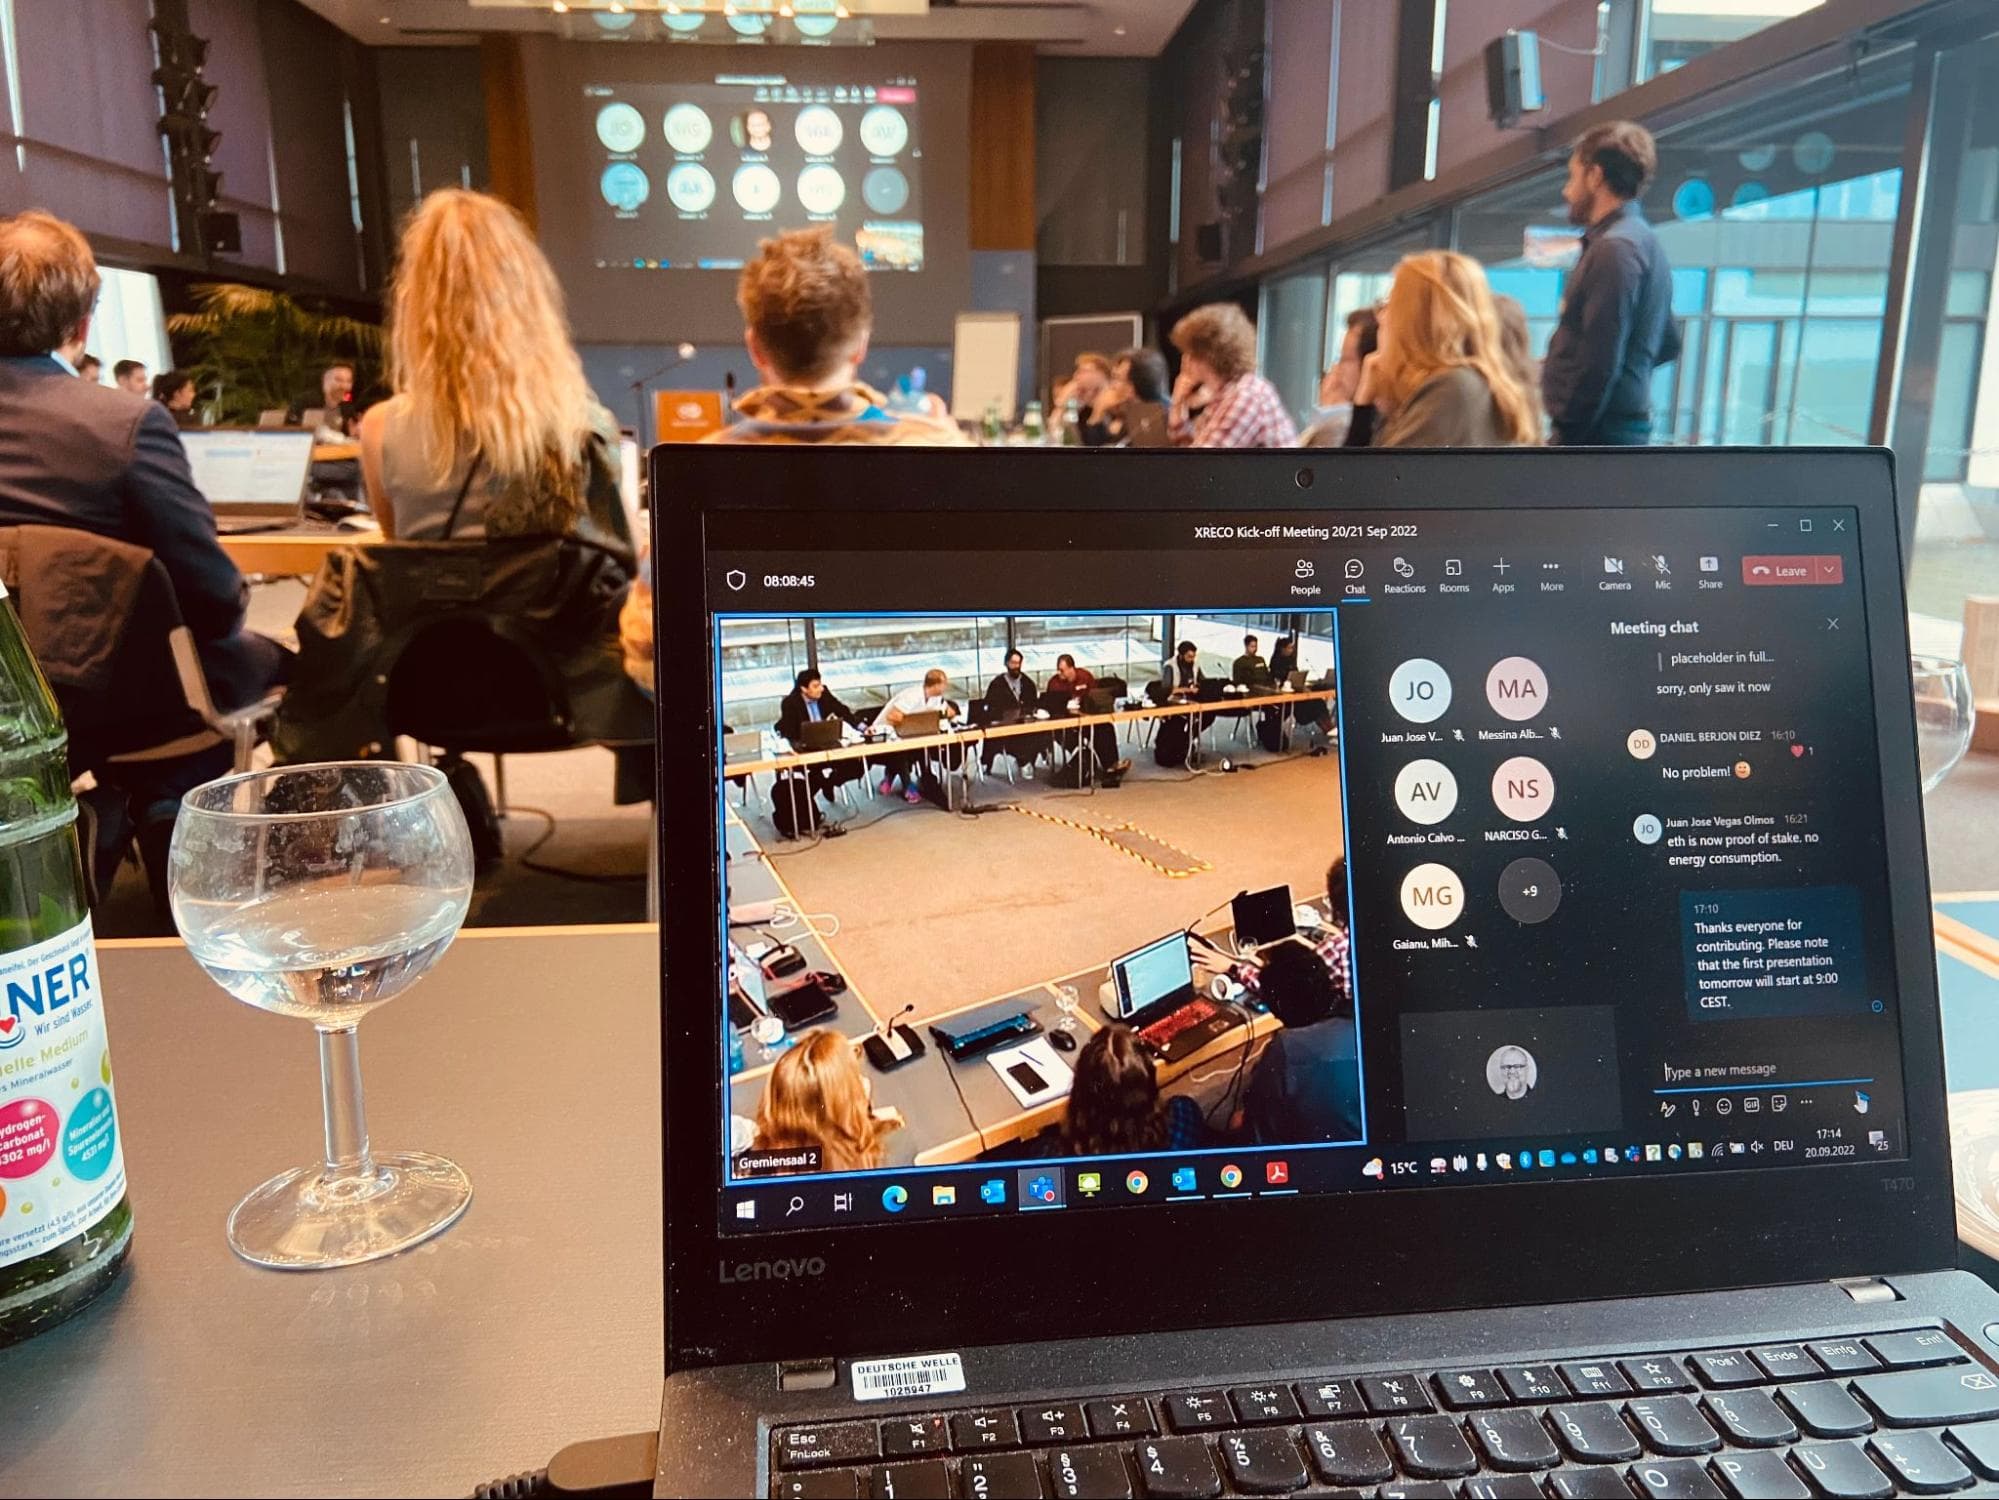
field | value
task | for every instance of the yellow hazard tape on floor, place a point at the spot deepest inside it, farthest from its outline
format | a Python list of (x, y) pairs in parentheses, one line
[(1115, 837)]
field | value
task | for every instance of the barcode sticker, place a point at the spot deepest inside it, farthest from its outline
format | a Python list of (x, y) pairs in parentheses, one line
[(915, 1375)]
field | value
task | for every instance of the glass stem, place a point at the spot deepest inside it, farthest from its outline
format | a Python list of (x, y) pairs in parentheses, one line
[(340, 1093)]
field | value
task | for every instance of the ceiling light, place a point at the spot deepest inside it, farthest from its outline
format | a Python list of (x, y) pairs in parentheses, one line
[(1117, 31)]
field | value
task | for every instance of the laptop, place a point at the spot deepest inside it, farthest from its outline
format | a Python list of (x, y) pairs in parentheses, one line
[(253, 477), (1263, 917), (1628, 1205), (820, 734), (1152, 991)]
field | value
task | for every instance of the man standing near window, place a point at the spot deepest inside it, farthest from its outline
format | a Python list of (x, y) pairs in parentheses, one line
[(1617, 310)]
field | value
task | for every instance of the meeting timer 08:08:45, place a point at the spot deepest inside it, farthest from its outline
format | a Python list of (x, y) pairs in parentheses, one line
[(789, 580)]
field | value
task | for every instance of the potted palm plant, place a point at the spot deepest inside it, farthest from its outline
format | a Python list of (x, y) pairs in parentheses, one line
[(257, 350)]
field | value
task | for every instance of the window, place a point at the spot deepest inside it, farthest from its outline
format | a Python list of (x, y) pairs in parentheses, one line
[(1678, 31), (1291, 328)]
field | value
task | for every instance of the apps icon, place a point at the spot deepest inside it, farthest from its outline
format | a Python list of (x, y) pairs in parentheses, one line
[(1374, 1169), (993, 1190), (1041, 1187), (1089, 1184), (1136, 1183), (895, 1198), (1184, 1180), (943, 1195), (1547, 1158), (1232, 1175), (1277, 1173)]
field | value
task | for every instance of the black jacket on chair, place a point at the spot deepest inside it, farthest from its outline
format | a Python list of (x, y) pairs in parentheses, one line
[(792, 716), (106, 461)]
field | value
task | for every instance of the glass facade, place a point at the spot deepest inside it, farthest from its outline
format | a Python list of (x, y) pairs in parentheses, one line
[(1678, 31)]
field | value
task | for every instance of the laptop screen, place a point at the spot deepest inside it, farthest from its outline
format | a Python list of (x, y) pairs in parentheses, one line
[(1153, 973), (262, 466), (1585, 806)]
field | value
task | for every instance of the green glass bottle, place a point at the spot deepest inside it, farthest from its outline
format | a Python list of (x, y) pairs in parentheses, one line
[(65, 1222)]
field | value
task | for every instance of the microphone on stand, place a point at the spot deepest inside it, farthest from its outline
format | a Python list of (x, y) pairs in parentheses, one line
[(681, 355), (892, 1044)]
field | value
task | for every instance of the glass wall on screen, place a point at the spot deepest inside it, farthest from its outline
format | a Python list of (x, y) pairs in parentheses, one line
[(130, 322), (1678, 31)]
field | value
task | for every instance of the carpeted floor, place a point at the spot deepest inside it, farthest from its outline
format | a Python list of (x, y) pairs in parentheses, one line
[(943, 912)]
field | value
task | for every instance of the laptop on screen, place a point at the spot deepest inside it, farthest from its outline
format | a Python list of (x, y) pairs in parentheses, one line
[(250, 473), (1598, 1147)]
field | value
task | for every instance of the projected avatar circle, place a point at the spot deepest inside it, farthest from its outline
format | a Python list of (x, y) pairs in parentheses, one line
[(756, 188), (749, 25), (821, 189), (819, 130), (884, 131), (1511, 1072), (625, 187), (815, 18), (688, 129), (691, 187), (621, 128), (885, 190)]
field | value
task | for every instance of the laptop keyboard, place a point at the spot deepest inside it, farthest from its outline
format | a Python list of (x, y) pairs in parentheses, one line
[(1880, 1414)]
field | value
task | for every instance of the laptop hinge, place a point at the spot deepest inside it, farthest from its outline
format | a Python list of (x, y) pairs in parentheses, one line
[(807, 1374), (1867, 1289)]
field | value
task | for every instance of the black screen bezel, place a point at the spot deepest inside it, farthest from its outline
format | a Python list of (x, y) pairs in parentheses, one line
[(890, 1288)]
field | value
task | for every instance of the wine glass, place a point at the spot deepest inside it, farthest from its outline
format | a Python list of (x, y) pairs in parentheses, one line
[(320, 891), (1944, 714)]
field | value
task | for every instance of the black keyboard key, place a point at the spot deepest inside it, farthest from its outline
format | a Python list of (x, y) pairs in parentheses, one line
[(1841, 1470), (1594, 1433), (1594, 1483), (1417, 1489), (991, 1428), (1263, 1463), (1514, 1440), (1197, 1411), (1656, 1372), (1431, 1448), (1759, 1476), (827, 1484), (1533, 1383), (1177, 1468), (1824, 1409), (1980, 1442), (1719, 1368), (1919, 1462), (1672, 1426), (834, 1443), (1347, 1453), (903, 1437), (1060, 1423), (999, 1476), (1461, 1390), (1674, 1479), (1844, 1356), (1785, 1361), (1388, 1395), (1264, 1403), (1502, 1487), (1930, 1398), (1126, 1416), (1330, 1398), (1751, 1419), (1096, 1473), (1595, 1377), (926, 1479), (1907, 1351)]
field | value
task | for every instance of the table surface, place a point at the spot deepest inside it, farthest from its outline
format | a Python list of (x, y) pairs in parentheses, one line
[(533, 1322), (299, 551)]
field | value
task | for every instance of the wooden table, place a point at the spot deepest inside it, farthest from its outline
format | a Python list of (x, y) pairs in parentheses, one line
[(335, 453), (291, 553)]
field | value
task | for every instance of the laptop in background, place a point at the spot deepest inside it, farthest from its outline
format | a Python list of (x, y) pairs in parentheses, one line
[(1650, 1188), (253, 477)]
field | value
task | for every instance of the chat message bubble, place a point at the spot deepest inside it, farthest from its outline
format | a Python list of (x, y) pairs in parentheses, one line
[(1755, 955)]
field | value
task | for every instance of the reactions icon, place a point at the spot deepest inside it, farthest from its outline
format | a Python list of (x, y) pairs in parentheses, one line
[(1426, 791), (1420, 690), (1641, 744), (1523, 789), (1647, 829), (1432, 896), (1516, 688)]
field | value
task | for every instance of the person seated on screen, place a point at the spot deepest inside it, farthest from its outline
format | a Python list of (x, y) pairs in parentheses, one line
[(1306, 1084), (1313, 715), (1334, 945), (818, 1096), (810, 701), (807, 316), (175, 391), (1012, 692), (1184, 676), (1114, 1103), (1069, 687), (90, 368), (492, 431), (1250, 669), (912, 768), (1138, 401)]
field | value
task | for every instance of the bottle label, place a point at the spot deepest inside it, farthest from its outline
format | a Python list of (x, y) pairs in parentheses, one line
[(62, 1167)]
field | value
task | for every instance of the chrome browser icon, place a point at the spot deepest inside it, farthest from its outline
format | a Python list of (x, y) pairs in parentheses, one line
[(1137, 1182)]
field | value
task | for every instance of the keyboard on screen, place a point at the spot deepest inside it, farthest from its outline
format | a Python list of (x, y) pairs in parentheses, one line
[(1875, 1415), (1161, 1035)]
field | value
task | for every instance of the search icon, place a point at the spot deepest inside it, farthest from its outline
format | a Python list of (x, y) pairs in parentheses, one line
[(797, 1203)]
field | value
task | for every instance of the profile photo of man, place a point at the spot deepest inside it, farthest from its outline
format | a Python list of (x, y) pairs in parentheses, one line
[(1511, 1072), (751, 130)]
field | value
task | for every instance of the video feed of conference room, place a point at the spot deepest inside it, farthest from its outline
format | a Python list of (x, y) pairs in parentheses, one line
[(1049, 834)]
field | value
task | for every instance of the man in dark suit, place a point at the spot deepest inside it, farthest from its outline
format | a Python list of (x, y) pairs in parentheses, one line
[(810, 701), (102, 460)]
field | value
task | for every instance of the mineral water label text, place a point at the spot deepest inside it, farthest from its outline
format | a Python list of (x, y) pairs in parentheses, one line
[(61, 1166)]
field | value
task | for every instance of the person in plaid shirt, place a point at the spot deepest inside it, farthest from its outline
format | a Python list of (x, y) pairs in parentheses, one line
[(1219, 400), (1335, 948)]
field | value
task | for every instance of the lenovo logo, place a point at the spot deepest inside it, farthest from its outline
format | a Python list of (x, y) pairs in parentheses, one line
[(772, 1270)]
